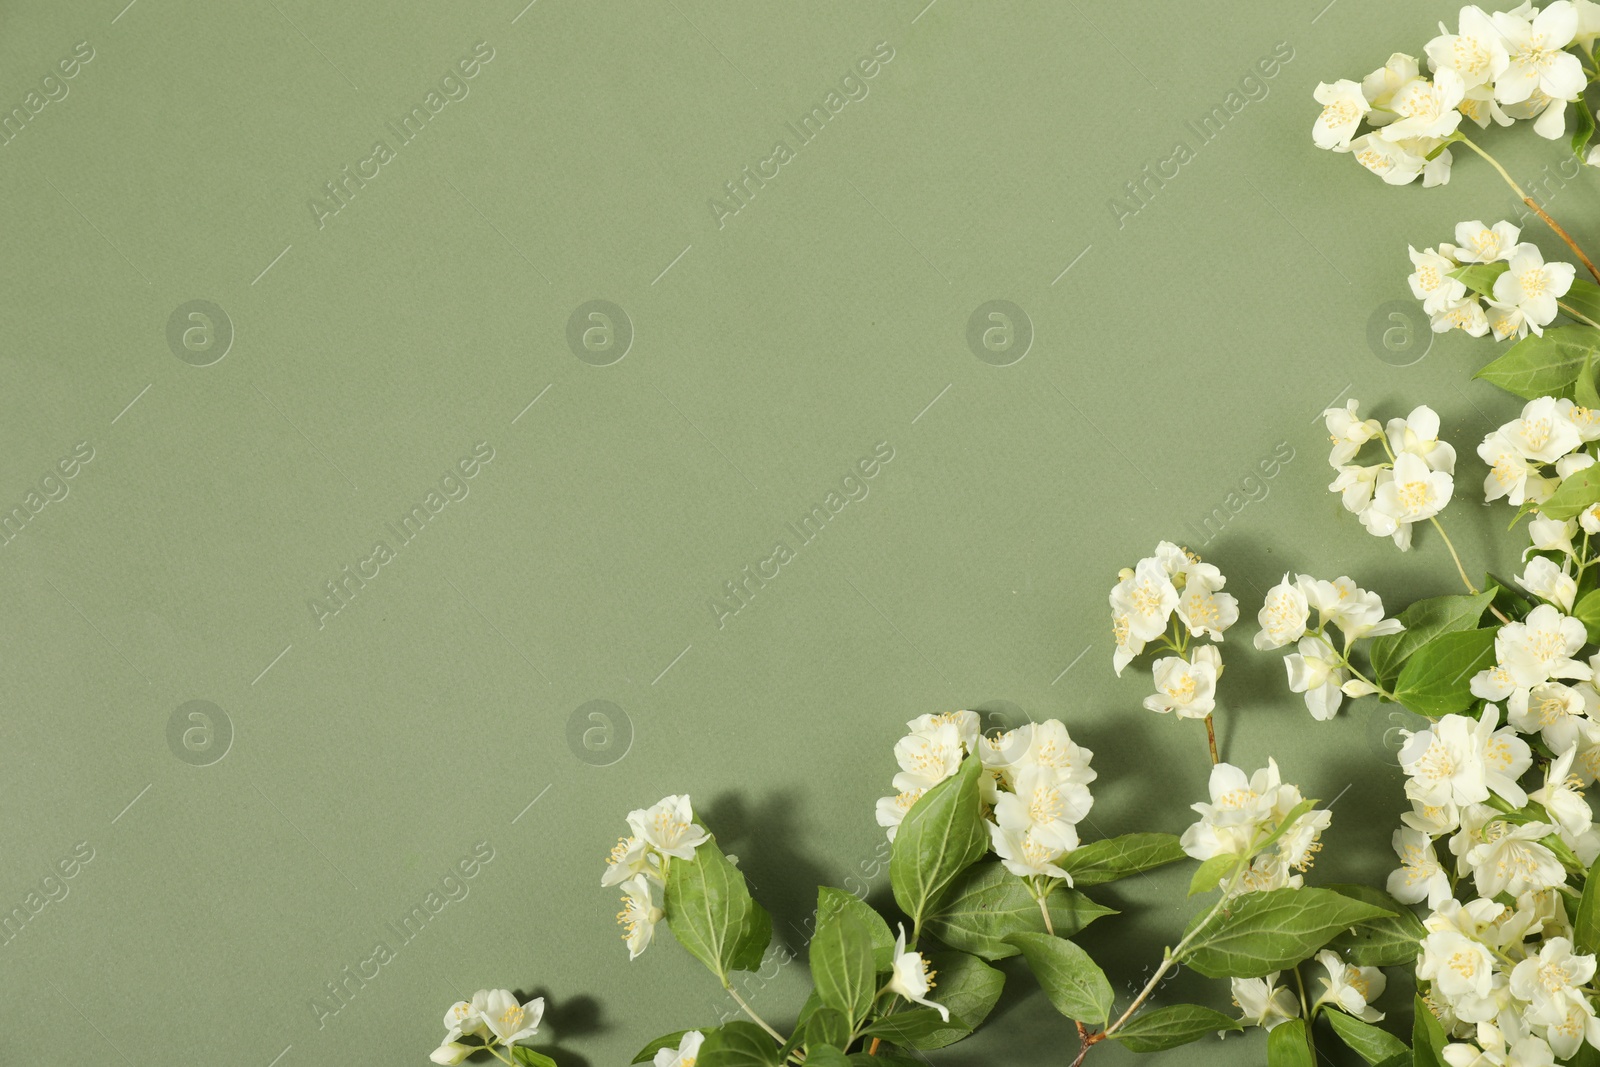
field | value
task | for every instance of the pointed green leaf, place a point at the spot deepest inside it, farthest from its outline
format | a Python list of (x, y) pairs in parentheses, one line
[(1163, 1028), (738, 1044), (710, 911), (1118, 857), (1581, 134), (907, 1027), (831, 900), (1209, 875), (968, 988), (648, 1053), (1074, 983), (943, 834), (825, 1026), (1259, 933), (842, 966), (1427, 1036), (1286, 1045), (1391, 941), (529, 1058), (1423, 621), (1543, 366), (1587, 611), (1437, 679), (988, 904), (1573, 496), (1586, 925), (1480, 277), (1367, 1041)]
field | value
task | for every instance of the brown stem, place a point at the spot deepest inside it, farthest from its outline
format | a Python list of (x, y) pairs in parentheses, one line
[(1211, 736), (873, 1051), (1556, 226)]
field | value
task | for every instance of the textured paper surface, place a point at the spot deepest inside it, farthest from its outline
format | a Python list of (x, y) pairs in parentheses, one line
[(1161, 355)]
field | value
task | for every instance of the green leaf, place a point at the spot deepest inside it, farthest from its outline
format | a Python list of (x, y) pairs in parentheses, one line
[(1437, 679), (1209, 875), (882, 1059), (826, 1056), (1423, 621), (1427, 1036), (1365, 1040), (1584, 297), (1163, 1028), (1480, 277), (1575, 493), (1587, 611), (968, 988), (1074, 983), (1586, 924), (1401, 1060), (908, 1027), (648, 1053), (1286, 1045), (826, 1026), (831, 901), (1584, 130), (1117, 857), (711, 913), (1391, 941), (842, 967), (1259, 933), (529, 1058), (738, 1044), (943, 834), (1543, 366), (987, 904), (1583, 390)]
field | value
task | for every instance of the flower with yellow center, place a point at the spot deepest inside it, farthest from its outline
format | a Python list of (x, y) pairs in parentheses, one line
[(1351, 988), (1533, 286)]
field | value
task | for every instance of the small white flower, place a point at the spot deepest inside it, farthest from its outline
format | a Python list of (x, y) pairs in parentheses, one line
[(1416, 492), (629, 857), (1552, 982), (1531, 285), (1381, 85), (1356, 612), (1562, 796), (1419, 876), (1431, 282), (926, 759), (892, 811), (1263, 1002), (1547, 581), (1543, 433), (1032, 850), (638, 916), (1551, 535), (1587, 420), (1343, 108), (1477, 243), (1418, 434), (1537, 62), (1466, 315), (1041, 798), (465, 1018), (1205, 611), (1355, 484), (1284, 614), (669, 828), (1444, 764), (1541, 647), (1351, 988), (1477, 54), (1391, 161), (1460, 967), (1510, 474), (1590, 519), (1190, 689), (911, 978), (1550, 709), (510, 1021), (1510, 859), (452, 1052), (1426, 109), (1316, 671), (685, 1054), (1506, 321)]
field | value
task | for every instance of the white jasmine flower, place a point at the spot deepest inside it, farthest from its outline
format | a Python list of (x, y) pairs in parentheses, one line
[(1190, 689), (966, 725), (669, 827), (1504, 756), (1466, 315), (1494, 1049), (1536, 60), (1545, 580), (1141, 604), (1355, 485), (1445, 763), (1552, 982), (1510, 859), (1431, 282), (1541, 647), (1263, 1002), (1031, 850), (1590, 519), (1418, 434), (638, 916), (927, 759), (509, 1021), (1391, 161), (1579, 1026), (1531, 285), (1477, 54), (1051, 747), (1317, 671), (892, 811), (1587, 420), (1356, 612), (911, 978), (1343, 107), (1569, 465), (1477, 243), (1562, 796), (1351, 988), (1542, 433), (1506, 322), (1041, 798), (1426, 109), (1419, 876), (629, 857), (1381, 85), (1432, 820), (685, 1054), (1550, 709), (1510, 474), (465, 1018), (1460, 967), (1206, 611), (1284, 614), (1551, 535), (1414, 494)]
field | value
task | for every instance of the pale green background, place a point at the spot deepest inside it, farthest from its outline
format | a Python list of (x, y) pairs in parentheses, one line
[(820, 321)]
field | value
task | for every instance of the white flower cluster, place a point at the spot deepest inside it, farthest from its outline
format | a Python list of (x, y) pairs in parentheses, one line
[(1318, 667), (1550, 432), (1548, 692), (639, 862), (1525, 294), (1265, 1003), (494, 1017), (1413, 486), (1174, 582), (1503, 67), (1244, 813), (1035, 785)]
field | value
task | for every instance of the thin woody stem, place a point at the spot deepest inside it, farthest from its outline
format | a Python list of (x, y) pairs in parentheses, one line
[(1211, 737), (1526, 199), (1453, 555), (759, 1021)]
